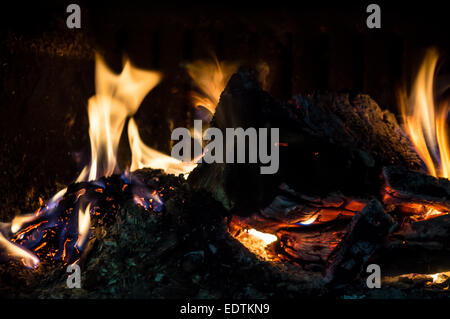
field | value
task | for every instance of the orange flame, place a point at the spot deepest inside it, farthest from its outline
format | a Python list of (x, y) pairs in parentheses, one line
[(428, 132), (211, 78), (117, 97)]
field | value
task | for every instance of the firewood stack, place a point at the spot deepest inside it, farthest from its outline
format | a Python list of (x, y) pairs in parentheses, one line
[(349, 187)]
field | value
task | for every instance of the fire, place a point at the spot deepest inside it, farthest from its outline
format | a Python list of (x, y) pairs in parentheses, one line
[(144, 156), (266, 238), (14, 251), (310, 220), (117, 97), (211, 78), (427, 124), (440, 278), (84, 222), (18, 221), (256, 242)]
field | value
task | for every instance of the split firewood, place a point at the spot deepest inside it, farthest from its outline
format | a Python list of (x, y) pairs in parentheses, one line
[(415, 193), (328, 143), (312, 244), (291, 210), (367, 231), (417, 247)]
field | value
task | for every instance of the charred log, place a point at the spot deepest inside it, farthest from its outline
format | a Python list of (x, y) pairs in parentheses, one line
[(313, 244), (418, 247), (415, 193), (328, 142)]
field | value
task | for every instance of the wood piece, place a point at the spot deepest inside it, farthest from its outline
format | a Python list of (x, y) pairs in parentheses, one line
[(328, 142), (294, 210), (367, 231), (312, 243), (414, 192), (417, 247)]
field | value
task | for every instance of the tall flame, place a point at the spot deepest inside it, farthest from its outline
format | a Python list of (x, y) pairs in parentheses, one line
[(428, 131), (211, 78), (118, 96)]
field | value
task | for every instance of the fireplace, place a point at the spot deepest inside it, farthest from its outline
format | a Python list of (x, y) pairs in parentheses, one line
[(358, 119)]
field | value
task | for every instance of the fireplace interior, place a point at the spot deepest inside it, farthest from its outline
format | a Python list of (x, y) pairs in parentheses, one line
[(86, 175)]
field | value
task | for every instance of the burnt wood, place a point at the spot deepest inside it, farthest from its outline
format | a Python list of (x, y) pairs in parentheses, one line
[(413, 192), (329, 142), (417, 247)]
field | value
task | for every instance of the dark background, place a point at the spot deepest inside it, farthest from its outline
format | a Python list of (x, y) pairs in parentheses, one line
[(47, 71)]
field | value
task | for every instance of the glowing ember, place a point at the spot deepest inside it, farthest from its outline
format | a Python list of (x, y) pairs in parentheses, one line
[(428, 131), (256, 242), (436, 279)]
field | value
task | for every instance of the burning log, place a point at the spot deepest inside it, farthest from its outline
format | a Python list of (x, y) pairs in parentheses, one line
[(313, 244), (292, 210), (328, 143), (415, 193)]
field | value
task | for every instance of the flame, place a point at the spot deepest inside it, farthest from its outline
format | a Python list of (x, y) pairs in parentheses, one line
[(18, 221), (117, 97), (16, 252), (144, 156), (256, 242), (84, 223), (428, 131), (264, 237), (440, 277), (310, 220), (210, 77)]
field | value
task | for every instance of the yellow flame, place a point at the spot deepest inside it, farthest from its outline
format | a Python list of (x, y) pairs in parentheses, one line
[(428, 132), (117, 97), (211, 77), (19, 253), (144, 156), (84, 223), (439, 278), (264, 237)]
